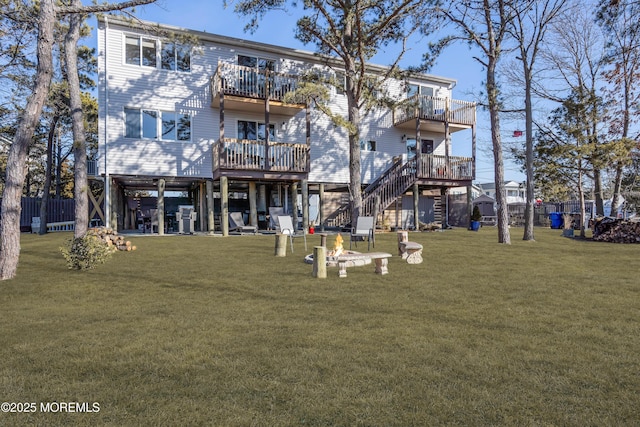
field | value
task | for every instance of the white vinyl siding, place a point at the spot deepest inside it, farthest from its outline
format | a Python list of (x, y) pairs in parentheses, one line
[(176, 99)]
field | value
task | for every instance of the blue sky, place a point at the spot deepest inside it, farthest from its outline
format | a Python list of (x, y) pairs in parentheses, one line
[(278, 29)]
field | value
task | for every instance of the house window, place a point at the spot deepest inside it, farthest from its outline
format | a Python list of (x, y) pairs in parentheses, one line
[(132, 123), (140, 51), (175, 127), (149, 124), (427, 146), (153, 124), (175, 57), (255, 131), (425, 96), (252, 75), (260, 64), (341, 83), (143, 51), (367, 145), (132, 50)]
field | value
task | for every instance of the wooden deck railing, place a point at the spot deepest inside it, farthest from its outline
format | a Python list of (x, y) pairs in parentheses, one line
[(436, 109), (399, 177), (249, 82), (242, 154), (446, 168)]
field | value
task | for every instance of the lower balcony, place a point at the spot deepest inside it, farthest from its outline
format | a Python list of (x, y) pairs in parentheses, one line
[(240, 158), (443, 168)]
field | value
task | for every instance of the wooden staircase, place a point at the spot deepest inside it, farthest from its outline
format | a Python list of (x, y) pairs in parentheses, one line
[(390, 185)]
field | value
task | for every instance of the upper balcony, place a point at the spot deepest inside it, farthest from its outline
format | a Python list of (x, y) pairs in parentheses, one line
[(434, 113), (248, 88)]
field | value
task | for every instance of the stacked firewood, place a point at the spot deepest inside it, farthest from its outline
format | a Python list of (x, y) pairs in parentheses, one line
[(112, 238), (432, 226), (616, 230)]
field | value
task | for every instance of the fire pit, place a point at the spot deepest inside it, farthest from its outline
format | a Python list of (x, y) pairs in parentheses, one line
[(343, 259), (338, 251)]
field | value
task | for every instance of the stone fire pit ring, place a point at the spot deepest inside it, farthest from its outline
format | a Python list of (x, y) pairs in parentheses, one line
[(332, 261)]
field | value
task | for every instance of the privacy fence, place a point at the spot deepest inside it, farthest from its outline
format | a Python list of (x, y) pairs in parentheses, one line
[(58, 210)]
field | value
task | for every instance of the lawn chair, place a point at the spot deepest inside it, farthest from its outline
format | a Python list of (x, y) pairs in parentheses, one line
[(236, 223), (286, 227), (363, 230), (274, 212)]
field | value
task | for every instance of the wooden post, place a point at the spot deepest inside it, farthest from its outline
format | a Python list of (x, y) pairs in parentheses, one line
[(224, 205), (418, 143), (416, 207), (323, 239), (469, 204), (321, 207), (473, 148), (403, 236), (320, 262), (262, 198), (253, 207), (294, 204), (202, 206), (210, 219), (161, 186), (267, 120), (281, 245), (445, 215), (305, 205), (398, 225)]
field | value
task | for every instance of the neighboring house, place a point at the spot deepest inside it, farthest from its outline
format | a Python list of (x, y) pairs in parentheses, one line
[(211, 122), (516, 191)]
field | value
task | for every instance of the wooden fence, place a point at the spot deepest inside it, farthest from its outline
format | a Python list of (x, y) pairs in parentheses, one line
[(58, 210)]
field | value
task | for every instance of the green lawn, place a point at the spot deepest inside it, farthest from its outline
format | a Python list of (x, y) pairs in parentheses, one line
[(195, 330)]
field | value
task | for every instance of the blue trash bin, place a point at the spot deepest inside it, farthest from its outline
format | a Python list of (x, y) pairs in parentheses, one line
[(556, 219)]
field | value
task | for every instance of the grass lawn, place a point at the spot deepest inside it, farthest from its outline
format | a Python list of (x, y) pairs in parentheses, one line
[(195, 330)]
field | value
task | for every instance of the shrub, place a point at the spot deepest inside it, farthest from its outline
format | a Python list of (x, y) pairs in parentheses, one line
[(476, 215), (86, 252)]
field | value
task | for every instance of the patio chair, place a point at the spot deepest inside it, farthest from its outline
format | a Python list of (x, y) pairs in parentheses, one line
[(286, 227), (236, 223), (274, 212), (363, 230)]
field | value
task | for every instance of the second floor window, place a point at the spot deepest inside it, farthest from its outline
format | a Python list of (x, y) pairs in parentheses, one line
[(367, 145), (152, 53), (140, 51), (154, 124), (341, 83), (175, 57), (254, 131)]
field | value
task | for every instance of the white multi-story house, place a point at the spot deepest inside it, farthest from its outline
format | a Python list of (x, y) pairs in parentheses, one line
[(209, 120)]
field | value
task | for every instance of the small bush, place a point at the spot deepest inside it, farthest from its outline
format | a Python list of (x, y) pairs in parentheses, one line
[(476, 215), (86, 252)]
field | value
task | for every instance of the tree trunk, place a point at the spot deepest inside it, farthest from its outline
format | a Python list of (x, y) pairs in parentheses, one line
[(79, 141), (47, 178), (597, 188), (355, 179), (583, 209), (16, 161), (529, 207), (498, 162), (617, 187), (58, 157)]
